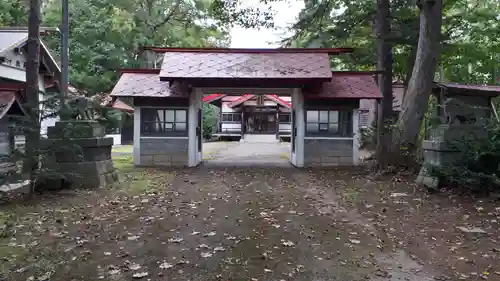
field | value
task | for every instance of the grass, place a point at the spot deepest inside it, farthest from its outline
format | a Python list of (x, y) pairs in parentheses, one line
[(134, 180), (123, 149), (26, 243)]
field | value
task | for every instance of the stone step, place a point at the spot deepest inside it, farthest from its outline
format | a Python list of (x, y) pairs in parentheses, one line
[(260, 138)]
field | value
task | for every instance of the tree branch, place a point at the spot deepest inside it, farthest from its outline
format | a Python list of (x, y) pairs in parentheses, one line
[(171, 13)]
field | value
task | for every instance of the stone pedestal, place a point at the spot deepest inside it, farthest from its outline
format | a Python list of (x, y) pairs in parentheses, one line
[(78, 155), (444, 148)]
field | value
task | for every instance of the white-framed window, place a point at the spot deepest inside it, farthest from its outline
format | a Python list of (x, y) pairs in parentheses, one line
[(329, 122), (164, 121)]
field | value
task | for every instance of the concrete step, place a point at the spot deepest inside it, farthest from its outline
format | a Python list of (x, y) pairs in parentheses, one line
[(258, 138)]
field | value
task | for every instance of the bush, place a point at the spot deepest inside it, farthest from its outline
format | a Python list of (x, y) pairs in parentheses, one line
[(210, 114), (367, 138), (478, 169)]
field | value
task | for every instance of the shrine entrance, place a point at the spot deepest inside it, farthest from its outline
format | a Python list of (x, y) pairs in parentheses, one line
[(322, 111)]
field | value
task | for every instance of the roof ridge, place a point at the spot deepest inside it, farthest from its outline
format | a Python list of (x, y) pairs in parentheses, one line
[(331, 51)]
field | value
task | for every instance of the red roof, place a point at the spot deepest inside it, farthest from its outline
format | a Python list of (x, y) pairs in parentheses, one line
[(247, 97), (279, 101), (240, 100), (118, 104), (347, 85), (12, 86), (213, 97), (224, 65), (139, 84)]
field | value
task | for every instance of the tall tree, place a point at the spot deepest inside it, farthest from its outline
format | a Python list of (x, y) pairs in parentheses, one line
[(13, 13), (384, 63), (32, 132), (107, 35), (420, 85)]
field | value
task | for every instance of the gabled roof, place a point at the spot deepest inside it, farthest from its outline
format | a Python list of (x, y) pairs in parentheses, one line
[(213, 97), (241, 100), (347, 85), (121, 105), (11, 38), (243, 65), (279, 101), (8, 98), (330, 51), (247, 97), (146, 83)]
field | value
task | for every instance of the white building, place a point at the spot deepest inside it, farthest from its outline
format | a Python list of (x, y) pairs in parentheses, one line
[(13, 59)]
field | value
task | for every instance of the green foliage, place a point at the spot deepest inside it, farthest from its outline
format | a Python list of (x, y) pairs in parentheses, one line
[(471, 36), (108, 35), (210, 118), (13, 13), (478, 168), (367, 138)]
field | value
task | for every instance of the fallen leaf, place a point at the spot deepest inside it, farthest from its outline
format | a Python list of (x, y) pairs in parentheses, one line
[(134, 266), (206, 255), (175, 240), (203, 246), (471, 230), (140, 275), (166, 265), (398, 194)]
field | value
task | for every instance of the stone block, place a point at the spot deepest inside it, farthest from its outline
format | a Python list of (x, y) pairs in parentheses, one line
[(76, 129), (330, 164), (178, 160), (164, 146), (162, 158), (146, 159), (346, 161), (79, 154), (162, 164)]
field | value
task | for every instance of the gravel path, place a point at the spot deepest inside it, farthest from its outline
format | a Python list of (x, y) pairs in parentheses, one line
[(208, 224)]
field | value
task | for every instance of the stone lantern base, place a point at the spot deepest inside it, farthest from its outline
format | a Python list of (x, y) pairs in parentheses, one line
[(78, 155)]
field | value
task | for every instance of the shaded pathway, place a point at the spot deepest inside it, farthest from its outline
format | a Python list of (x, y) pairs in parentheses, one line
[(217, 224)]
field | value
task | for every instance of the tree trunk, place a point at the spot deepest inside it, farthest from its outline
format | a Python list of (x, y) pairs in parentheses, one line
[(410, 63), (384, 48), (420, 85), (32, 130)]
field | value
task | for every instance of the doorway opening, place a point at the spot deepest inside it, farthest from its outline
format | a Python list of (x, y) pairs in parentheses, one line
[(252, 129)]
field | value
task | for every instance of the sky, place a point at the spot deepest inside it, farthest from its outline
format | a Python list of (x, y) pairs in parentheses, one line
[(286, 13)]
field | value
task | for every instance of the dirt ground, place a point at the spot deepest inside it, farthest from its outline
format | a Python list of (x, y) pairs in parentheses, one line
[(249, 224)]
